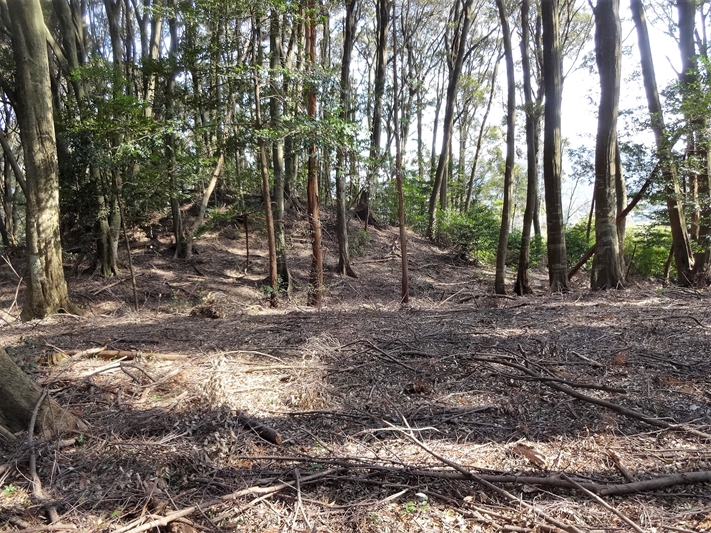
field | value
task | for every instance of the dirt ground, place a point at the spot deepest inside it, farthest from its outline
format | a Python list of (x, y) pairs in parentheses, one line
[(460, 411)]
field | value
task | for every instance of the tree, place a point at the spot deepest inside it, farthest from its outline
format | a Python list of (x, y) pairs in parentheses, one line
[(522, 285), (506, 213), (316, 276), (461, 20), (405, 291), (608, 270), (552, 146), (344, 262), (19, 396), (264, 168), (46, 288), (681, 247)]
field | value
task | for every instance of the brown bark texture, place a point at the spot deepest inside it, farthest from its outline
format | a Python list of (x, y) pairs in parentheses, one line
[(608, 272), (681, 247), (46, 287), (553, 146), (507, 208), (19, 396)]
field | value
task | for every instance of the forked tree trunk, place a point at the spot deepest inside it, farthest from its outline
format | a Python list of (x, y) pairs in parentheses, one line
[(553, 147), (46, 288), (681, 247), (506, 214), (608, 271)]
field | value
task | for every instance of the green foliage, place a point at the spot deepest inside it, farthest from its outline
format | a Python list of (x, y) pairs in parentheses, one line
[(577, 242), (474, 235), (647, 247), (358, 243), (537, 249)]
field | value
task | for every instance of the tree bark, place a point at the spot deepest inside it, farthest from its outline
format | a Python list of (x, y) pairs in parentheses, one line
[(46, 288), (19, 396), (275, 63), (681, 247), (506, 214), (381, 44), (344, 262), (552, 147), (264, 170), (523, 285), (462, 21), (608, 271), (315, 293), (405, 291)]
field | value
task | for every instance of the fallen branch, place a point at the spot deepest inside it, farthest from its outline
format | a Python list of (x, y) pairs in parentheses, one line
[(167, 519), (604, 504), (630, 413), (459, 468), (602, 489), (260, 429)]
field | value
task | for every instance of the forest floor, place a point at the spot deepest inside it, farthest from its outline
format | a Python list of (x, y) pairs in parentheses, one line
[(460, 411)]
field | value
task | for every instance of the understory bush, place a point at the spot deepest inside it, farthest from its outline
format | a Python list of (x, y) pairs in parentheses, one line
[(474, 234), (647, 248)]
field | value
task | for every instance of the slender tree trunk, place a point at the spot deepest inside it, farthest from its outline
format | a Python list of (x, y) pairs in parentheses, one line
[(344, 262), (506, 214), (480, 138), (552, 147), (316, 276), (681, 246), (264, 168), (405, 291), (46, 288), (522, 285), (608, 271), (463, 21), (170, 144), (275, 63), (381, 44), (621, 197)]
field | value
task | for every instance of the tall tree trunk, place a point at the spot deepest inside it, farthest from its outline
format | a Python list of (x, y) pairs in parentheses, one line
[(506, 214), (552, 147), (344, 261), (462, 20), (315, 293), (405, 291), (698, 137), (681, 247), (608, 272), (381, 44), (46, 288), (170, 138), (522, 285), (264, 169), (275, 63)]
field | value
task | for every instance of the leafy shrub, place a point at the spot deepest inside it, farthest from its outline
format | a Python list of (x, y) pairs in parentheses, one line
[(475, 235), (648, 248), (536, 252), (577, 243)]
